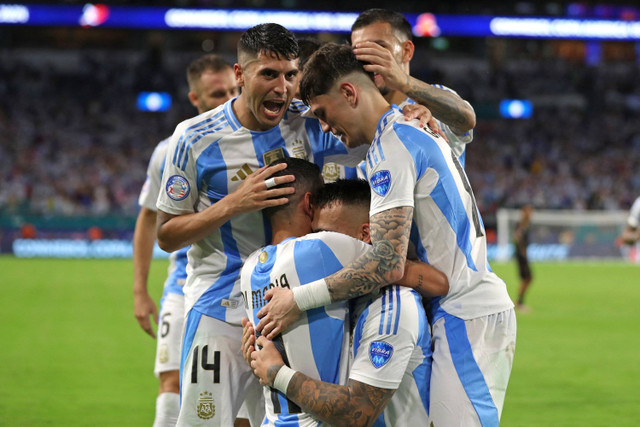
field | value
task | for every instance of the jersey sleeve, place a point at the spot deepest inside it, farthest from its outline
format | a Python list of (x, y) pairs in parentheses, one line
[(178, 192), (392, 176), (151, 188), (456, 142), (382, 349)]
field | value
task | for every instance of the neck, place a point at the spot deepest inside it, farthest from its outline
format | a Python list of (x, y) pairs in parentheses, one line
[(395, 97), (283, 228), (376, 107)]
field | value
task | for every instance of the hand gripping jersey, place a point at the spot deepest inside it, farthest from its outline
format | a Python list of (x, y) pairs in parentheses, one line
[(392, 350), (317, 344), (409, 166), (207, 158), (148, 196)]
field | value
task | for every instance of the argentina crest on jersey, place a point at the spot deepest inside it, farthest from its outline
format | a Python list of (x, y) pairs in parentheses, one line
[(381, 182), (380, 353), (177, 187)]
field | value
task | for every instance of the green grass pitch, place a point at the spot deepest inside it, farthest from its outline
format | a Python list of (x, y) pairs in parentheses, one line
[(73, 354)]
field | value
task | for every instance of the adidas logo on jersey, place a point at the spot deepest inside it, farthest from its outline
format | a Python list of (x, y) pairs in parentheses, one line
[(242, 173)]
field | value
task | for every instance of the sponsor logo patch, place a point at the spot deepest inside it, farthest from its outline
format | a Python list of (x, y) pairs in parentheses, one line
[(177, 187), (380, 353), (381, 182)]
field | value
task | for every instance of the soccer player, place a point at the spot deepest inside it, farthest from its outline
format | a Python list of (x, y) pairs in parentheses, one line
[(393, 360), (631, 233), (383, 38), (521, 240), (215, 183), (211, 83), (420, 194)]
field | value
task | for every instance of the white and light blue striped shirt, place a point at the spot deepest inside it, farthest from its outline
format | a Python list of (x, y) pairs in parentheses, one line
[(317, 344), (177, 274), (409, 166), (208, 157)]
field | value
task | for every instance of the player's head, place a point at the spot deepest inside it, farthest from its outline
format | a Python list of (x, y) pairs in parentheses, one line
[(308, 181), (211, 82), (527, 210), (267, 72), (338, 90), (343, 207), (307, 48), (390, 30)]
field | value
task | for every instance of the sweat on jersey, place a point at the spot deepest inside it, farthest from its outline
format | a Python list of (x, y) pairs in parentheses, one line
[(177, 273), (410, 166), (317, 344), (208, 157)]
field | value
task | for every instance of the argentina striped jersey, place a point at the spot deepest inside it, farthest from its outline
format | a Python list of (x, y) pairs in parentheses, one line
[(317, 344), (409, 166), (148, 195), (208, 157)]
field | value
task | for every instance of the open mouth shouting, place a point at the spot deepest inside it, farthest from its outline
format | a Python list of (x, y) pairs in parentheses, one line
[(273, 108)]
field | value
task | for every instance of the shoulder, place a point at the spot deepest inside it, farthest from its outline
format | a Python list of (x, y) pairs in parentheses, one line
[(216, 122)]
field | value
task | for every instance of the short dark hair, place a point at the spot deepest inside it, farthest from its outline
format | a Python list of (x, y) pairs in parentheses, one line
[(268, 38), (211, 62), (345, 191), (307, 48), (397, 21), (308, 179), (330, 62)]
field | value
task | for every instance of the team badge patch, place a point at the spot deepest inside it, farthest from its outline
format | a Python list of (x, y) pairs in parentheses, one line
[(206, 409), (178, 187), (381, 182), (380, 353)]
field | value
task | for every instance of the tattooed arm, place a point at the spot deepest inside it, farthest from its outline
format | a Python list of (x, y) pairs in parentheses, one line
[(378, 267), (356, 404), (445, 106), (424, 279)]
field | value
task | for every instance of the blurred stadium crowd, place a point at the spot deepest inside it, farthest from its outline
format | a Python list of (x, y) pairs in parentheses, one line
[(73, 143)]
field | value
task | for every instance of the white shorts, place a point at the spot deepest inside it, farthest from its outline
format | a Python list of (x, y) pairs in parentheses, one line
[(215, 378), (472, 362), (169, 334)]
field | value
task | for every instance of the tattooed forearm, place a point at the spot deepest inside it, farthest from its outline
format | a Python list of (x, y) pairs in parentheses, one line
[(357, 404), (272, 372), (383, 264), (445, 106)]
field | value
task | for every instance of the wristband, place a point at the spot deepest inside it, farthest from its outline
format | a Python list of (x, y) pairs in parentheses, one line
[(281, 381), (312, 295)]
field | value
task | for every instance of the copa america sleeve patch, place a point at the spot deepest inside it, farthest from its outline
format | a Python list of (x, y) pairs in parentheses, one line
[(380, 353), (381, 182), (177, 187)]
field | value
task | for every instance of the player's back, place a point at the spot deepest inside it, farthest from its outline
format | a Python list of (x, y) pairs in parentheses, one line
[(410, 166), (392, 350), (317, 344)]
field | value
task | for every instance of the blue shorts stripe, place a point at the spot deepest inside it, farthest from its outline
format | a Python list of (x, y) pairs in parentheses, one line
[(190, 328), (469, 372)]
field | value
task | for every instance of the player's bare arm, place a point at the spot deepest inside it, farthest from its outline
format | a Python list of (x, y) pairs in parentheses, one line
[(424, 279), (177, 231), (356, 404), (383, 264), (144, 238), (446, 106), (378, 267)]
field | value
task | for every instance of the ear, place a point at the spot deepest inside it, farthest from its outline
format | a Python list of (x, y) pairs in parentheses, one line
[(365, 233), (239, 74), (349, 92), (193, 98), (408, 49), (306, 205)]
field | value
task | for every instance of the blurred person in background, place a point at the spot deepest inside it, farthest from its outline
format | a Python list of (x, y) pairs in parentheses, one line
[(631, 233), (211, 83), (383, 38), (521, 243)]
